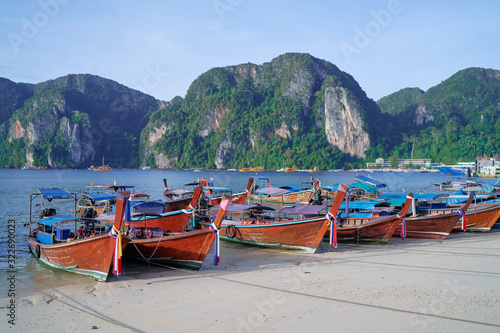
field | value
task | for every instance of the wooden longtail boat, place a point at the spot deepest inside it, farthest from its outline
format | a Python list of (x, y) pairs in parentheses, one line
[(57, 242), (437, 226), (178, 198), (373, 230), (237, 198), (187, 249), (304, 234), (479, 218), (284, 195)]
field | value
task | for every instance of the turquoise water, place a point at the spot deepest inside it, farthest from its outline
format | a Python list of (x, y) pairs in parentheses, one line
[(17, 185)]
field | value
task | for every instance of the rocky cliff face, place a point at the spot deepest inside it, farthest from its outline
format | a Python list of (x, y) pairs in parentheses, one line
[(343, 122)]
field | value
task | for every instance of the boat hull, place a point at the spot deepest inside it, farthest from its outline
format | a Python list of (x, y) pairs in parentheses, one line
[(186, 250), (429, 227), (480, 218), (91, 256), (303, 235), (177, 204), (374, 230)]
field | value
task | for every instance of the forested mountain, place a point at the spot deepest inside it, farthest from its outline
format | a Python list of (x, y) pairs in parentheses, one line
[(295, 110), (458, 119), (72, 121)]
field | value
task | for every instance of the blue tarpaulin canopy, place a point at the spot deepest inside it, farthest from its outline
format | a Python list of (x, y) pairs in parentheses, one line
[(54, 193), (292, 188), (100, 196), (333, 188), (418, 196), (371, 181), (219, 189), (151, 207), (364, 186), (365, 205), (50, 221)]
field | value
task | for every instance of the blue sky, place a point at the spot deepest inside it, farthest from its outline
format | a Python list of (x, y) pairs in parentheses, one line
[(160, 47)]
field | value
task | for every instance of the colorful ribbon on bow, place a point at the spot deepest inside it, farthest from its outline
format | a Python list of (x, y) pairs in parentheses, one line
[(403, 226), (333, 229), (215, 230), (464, 221), (190, 207), (117, 257)]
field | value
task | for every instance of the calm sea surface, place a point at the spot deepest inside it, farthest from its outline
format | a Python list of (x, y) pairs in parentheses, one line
[(17, 185)]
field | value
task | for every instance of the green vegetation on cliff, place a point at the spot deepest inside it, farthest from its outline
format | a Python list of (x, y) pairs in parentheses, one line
[(456, 120)]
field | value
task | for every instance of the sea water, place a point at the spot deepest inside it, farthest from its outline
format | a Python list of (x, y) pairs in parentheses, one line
[(18, 185)]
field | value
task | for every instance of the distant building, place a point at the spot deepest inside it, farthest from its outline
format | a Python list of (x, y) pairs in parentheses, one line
[(491, 170), (384, 163)]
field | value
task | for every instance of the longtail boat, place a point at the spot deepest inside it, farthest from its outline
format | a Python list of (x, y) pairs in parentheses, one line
[(283, 195), (187, 249), (372, 229), (216, 194), (74, 244), (303, 234), (437, 226), (178, 198), (479, 217)]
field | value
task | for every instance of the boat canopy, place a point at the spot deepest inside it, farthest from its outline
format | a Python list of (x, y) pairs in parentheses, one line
[(333, 188), (292, 188), (302, 209), (371, 181), (100, 196), (366, 187), (377, 206), (54, 193), (50, 221), (219, 189), (417, 196), (272, 191), (148, 207), (239, 208)]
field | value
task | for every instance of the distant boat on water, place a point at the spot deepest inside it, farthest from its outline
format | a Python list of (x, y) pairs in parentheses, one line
[(103, 167)]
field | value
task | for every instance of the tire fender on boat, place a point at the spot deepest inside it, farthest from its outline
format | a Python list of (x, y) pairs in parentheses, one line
[(231, 231), (37, 251)]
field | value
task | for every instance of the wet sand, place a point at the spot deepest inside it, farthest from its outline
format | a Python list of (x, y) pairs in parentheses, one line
[(404, 286)]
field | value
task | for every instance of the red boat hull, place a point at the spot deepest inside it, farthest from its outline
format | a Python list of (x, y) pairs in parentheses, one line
[(373, 230), (187, 249), (304, 235), (91, 256), (429, 227)]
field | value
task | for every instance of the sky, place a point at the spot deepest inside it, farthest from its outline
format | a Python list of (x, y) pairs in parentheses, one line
[(161, 46)]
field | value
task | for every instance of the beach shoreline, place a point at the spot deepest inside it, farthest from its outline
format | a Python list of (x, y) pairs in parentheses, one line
[(411, 285)]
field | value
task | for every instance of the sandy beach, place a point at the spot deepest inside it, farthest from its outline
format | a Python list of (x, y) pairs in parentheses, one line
[(403, 286)]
